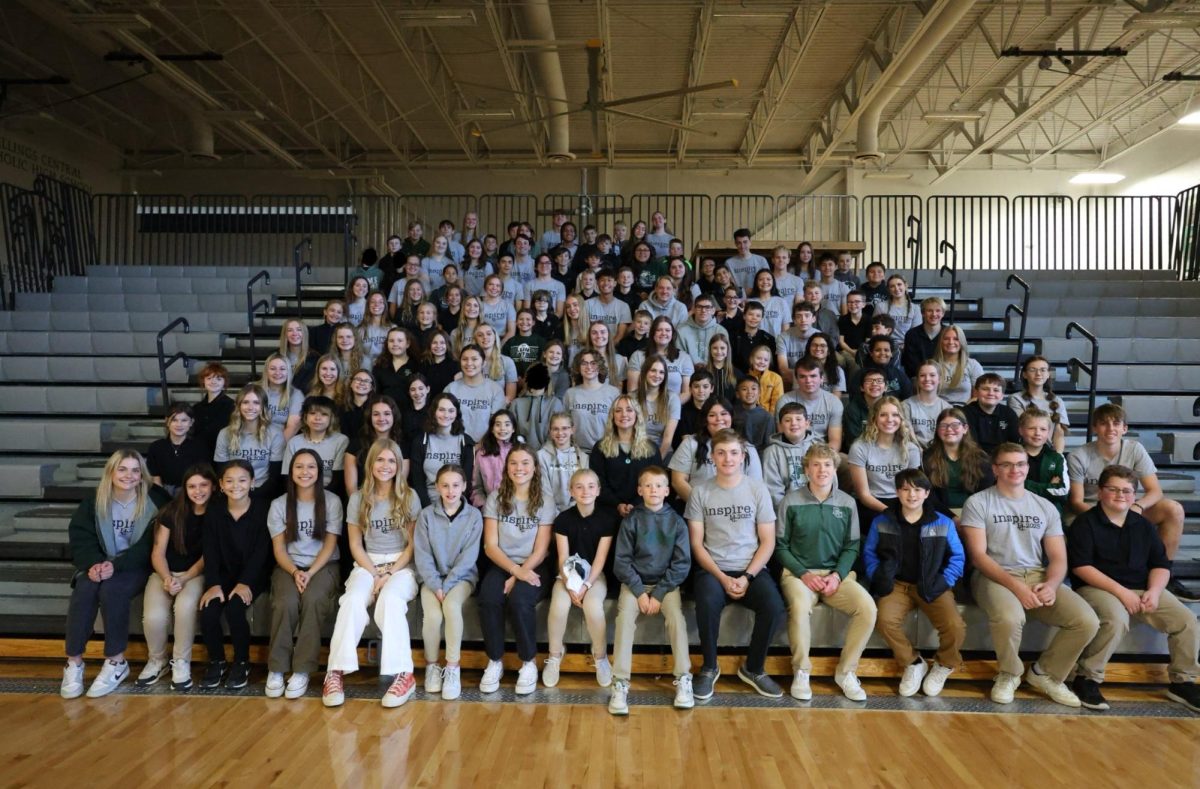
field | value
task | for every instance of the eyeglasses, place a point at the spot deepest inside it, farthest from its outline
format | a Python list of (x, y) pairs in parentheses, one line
[(955, 425), (1124, 493), (1008, 466)]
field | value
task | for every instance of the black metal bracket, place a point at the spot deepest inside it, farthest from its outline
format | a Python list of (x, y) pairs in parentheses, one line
[(945, 246), (1075, 363), (1023, 311), (914, 243), (179, 356), (252, 307), (305, 243)]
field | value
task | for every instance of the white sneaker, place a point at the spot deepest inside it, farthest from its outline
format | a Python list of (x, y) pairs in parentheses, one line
[(527, 678), (910, 683), (111, 675), (154, 670), (274, 684), (181, 675), (491, 677), (1004, 686), (297, 686), (618, 702), (433, 678), (72, 684), (801, 688), (1058, 692), (935, 680), (850, 686), (551, 670), (684, 700), (604, 672), (451, 683)]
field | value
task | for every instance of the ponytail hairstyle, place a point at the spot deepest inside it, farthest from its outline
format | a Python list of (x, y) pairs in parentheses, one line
[(399, 495), (1047, 388), (292, 525)]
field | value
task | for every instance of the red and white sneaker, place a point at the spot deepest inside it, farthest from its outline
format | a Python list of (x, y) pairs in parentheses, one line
[(333, 694), (401, 690)]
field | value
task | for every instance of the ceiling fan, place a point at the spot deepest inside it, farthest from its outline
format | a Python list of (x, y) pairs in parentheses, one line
[(595, 105)]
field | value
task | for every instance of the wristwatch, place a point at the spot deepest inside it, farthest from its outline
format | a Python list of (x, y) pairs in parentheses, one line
[(750, 575)]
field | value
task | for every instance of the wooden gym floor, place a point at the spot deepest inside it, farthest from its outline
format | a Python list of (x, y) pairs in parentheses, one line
[(565, 737)]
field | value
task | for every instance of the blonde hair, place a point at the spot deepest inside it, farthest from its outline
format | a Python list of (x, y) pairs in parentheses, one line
[(464, 335), (265, 383), (399, 495), (575, 330), (355, 363), (104, 493), (285, 351), (870, 433), (951, 370), (583, 473), (340, 385), (640, 447), (237, 427), (493, 360)]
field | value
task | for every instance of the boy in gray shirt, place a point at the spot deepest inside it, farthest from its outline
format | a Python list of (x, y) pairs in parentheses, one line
[(1015, 541)]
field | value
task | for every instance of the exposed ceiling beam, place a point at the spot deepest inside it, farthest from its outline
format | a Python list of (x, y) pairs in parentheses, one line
[(606, 88), (798, 34), (704, 20), (432, 72), (519, 79)]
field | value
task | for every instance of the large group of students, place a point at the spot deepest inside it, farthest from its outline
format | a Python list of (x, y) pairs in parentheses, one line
[(582, 416)]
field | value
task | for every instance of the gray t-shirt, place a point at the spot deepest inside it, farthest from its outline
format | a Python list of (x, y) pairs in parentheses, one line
[(511, 288), (589, 412), (960, 394), (332, 450), (473, 278), (477, 404), (497, 316), (882, 464), (277, 414), (833, 295), (304, 549), (684, 459), (440, 449), (123, 522), (356, 311), (557, 466), (824, 410), (517, 531), (788, 286), (744, 269), (1085, 464), (558, 293), (792, 343), (922, 419), (731, 519), (381, 532), (678, 368), (433, 269), (654, 428), (776, 312), (1014, 527), (258, 454), (611, 315), (1019, 401)]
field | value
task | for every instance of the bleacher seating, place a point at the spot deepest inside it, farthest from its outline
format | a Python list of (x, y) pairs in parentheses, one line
[(78, 378)]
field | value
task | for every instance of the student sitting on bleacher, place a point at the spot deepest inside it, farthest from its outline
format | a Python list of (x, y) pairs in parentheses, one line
[(920, 342), (958, 370), (1037, 392), (1112, 448), (992, 423), (1120, 567)]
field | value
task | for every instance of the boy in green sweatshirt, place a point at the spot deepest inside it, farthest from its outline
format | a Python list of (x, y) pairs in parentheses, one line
[(817, 541), (1047, 468)]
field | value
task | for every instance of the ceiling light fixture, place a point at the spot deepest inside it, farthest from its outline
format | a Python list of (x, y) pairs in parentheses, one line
[(435, 17), (1097, 177), (952, 115), (1163, 20), (484, 115)]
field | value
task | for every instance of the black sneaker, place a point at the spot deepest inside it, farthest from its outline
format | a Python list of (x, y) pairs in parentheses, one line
[(213, 673), (762, 683), (1088, 691), (702, 686), (1176, 587), (1185, 693), (239, 675)]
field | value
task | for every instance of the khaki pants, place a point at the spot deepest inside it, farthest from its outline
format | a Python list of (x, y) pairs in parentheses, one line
[(160, 608), (448, 611), (296, 619), (593, 616), (850, 598), (942, 613), (1172, 618), (627, 617), (1076, 623)]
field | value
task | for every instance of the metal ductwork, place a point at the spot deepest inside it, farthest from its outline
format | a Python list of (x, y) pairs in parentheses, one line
[(200, 139), (901, 70), (539, 25)]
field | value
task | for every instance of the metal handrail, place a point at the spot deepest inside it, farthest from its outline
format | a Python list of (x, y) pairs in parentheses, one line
[(914, 243), (251, 308), (179, 356), (299, 264), (1023, 311), (1075, 363), (952, 267)]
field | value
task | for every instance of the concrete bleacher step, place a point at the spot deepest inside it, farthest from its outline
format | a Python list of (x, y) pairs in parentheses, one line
[(1090, 307), (181, 303), (71, 400), (1182, 446), (1124, 350), (77, 343), (102, 320), (43, 521), (319, 274), (1178, 377), (25, 477), (219, 285), (85, 369), (1117, 326)]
